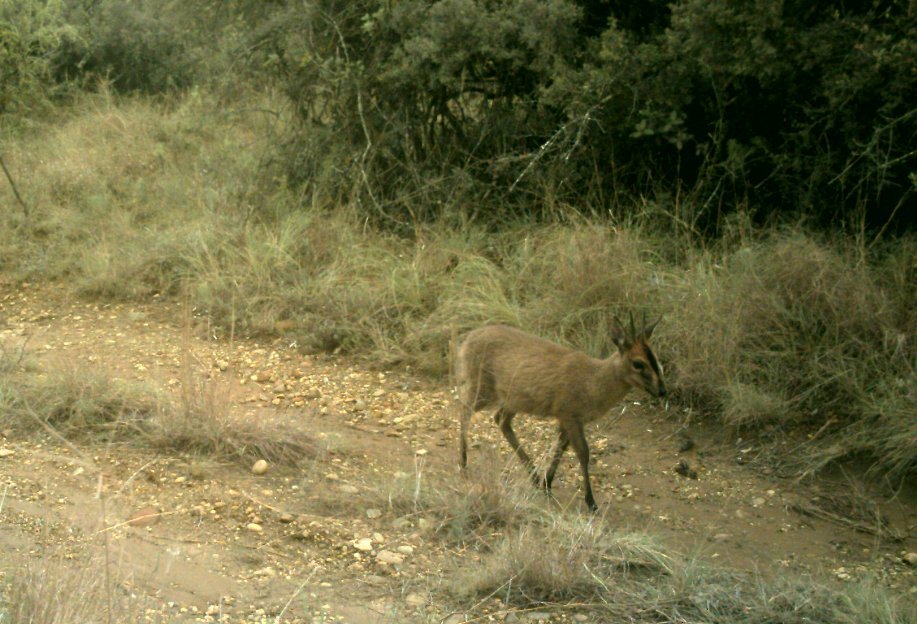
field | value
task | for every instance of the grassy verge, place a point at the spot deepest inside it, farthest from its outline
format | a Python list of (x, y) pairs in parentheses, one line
[(60, 591), (513, 551), (779, 331), (89, 406)]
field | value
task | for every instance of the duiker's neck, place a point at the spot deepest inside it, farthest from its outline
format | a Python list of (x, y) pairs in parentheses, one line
[(614, 367)]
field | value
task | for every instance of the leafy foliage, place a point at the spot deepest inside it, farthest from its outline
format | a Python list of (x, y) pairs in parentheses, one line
[(30, 33), (130, 44), (416, 107)]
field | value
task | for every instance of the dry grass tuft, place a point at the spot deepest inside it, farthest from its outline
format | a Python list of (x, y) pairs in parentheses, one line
[(86, 405), (566, 557), (61, 591)]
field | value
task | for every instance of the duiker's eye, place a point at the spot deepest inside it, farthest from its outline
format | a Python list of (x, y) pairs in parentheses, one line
[(639, 366)]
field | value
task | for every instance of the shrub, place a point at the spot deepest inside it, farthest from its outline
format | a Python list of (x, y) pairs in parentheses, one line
[(417, 110), (133, 45), (31, 31)]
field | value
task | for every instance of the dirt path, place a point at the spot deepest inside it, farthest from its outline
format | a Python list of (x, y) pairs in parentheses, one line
[(308, 542)]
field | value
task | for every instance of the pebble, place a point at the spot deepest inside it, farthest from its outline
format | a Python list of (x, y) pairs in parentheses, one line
[(286, 518), (373, 513), (6, 452), (387, 556), (405, 550), (254, 527), (910, 558), (365, 544), (538, 616), (757, 502), (260, 467), (349, 489), (415, 600)]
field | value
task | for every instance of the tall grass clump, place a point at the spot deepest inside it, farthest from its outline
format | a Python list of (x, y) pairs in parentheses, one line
[(571, 563), (120, 188), (91, 406), (57, 590), (792, 331), (495, 497)]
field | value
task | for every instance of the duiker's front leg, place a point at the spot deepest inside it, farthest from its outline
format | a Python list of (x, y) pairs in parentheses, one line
[(574, 429)]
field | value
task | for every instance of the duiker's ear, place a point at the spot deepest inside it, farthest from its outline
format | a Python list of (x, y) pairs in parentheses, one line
[(619, 335), (648, 329)]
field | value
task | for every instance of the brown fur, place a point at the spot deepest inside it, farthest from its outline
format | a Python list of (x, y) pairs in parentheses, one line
[(517, 372)]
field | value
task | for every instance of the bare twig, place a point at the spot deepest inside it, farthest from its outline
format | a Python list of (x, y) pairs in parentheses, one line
[(25, 207), (822, 514)]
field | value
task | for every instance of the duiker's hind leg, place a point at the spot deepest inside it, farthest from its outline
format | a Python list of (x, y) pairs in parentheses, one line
[(467, 413), (563, 441), (504, 418)]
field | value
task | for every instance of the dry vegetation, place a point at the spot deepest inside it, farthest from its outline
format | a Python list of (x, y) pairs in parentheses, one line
[(773, 331), (778, 329), (91, 407)]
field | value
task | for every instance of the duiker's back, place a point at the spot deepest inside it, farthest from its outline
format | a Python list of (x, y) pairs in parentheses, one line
[(504, 366)]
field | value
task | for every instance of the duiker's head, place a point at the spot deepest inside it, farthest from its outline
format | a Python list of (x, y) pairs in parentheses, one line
[(642, 368)]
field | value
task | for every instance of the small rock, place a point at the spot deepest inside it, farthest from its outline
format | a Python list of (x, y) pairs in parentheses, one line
[(222, 365), (387, 556), (741, 514), (6, 452), (910, 558), (254, 527), (365, 544), (405, 550), (455, 618), (144, 517), (260, 467), (415, 600), (373, 513), (378, 393), (349, 489), (538, 616), (420, 452), (212, 609), (721, 537), (287, 518), (581, 617), (757, 502)]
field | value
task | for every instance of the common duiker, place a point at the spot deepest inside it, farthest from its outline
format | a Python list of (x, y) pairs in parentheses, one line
[(516, 372)]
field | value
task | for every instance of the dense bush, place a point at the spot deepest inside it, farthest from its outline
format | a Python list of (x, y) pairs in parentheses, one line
[(133, 45), (30, 34), (416, 106)]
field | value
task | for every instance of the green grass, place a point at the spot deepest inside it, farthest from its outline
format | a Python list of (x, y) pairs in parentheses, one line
[(777, 330)]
